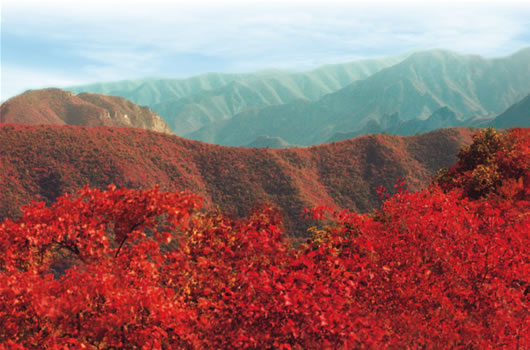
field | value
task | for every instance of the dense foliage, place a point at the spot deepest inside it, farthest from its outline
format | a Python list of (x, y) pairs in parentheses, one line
[(149, 269), (494, 164), (51, 160)]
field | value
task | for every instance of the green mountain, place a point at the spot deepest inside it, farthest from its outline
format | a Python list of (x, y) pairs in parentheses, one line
[(413, 89), (300, 122), (269, 142), (517, 115), (426, 81), (403, 95), (189, 104), (393, 124), (152, 91)]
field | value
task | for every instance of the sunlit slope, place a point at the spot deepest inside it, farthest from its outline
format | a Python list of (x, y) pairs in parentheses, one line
[(60, 107)]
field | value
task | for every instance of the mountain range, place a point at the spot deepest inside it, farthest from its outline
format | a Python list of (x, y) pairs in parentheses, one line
[(59, 107), (60, 159), (189, 104), (55, 106), (436, 88), (263, 112)]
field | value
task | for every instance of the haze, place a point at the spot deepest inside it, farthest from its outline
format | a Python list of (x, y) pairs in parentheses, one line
[(63, 43)]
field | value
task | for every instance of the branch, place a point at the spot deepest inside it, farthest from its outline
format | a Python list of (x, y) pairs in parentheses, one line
[(127, 236), (72, 248)]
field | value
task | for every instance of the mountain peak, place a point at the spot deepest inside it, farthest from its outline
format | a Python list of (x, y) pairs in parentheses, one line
[(444, 114), (56, 106)]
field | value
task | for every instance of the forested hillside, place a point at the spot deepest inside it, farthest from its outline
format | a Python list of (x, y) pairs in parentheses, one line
[(51, 160)]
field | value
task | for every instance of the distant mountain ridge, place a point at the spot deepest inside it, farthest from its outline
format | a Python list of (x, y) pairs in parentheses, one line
[(518, 114), (426, 81), (393, 124), (269, 142), (189, 104), (64, 158), (413, 89), (312, 107), (55, 106)]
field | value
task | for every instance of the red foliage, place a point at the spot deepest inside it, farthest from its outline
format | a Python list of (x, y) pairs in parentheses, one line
[(89, 270), (148, 269), (59, 107), (51, 160), (437, 271)]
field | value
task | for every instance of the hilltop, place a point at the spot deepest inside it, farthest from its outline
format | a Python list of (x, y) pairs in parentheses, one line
[(60, 107)]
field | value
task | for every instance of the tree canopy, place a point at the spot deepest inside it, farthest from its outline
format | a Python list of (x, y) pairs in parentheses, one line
[(446, 267)]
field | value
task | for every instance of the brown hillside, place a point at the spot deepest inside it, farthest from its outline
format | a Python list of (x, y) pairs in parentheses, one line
[(55, 106), (50, 160)]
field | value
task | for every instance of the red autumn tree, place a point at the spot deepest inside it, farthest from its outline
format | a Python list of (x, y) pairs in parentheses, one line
[(151, 270), (105, 249)]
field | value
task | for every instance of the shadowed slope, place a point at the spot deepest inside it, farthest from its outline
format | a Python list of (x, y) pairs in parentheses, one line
[(517, 115)]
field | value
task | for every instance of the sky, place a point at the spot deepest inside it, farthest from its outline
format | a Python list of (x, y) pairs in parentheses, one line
[(59, 43)]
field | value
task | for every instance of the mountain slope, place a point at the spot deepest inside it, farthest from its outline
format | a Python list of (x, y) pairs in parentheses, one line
[(60, 159), (269, 142), (517, 115), (190, 113), (189, 104), (426, 81), (413, 89), (299, 122), (55, 106), (393, 124)]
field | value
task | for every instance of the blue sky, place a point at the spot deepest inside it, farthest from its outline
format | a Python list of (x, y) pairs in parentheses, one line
[(62, 43)]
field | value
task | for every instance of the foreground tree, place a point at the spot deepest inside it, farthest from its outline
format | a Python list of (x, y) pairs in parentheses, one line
[(151, 270)]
